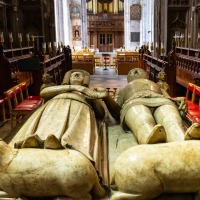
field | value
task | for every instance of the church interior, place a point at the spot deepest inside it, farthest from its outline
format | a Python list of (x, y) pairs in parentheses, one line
[(99, 99)]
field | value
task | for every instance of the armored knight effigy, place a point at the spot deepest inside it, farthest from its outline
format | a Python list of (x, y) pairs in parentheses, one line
[(166, 159)]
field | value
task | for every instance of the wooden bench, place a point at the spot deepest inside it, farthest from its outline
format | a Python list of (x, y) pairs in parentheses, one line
[(84, 61), (125, 61), (187, 65)]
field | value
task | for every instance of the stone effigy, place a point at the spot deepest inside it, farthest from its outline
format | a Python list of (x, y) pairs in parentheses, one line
[(32, 172), (145, 171), (70, 123), (149, 112)]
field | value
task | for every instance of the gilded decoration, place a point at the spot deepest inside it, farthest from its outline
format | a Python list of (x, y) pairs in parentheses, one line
[(77, 32), (75, 11), (135, 12)]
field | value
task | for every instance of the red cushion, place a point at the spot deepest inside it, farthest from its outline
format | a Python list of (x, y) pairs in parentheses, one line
[(194, 113), (24, 107), (193, 106), (196, 119), (30, 101), (34, 97)]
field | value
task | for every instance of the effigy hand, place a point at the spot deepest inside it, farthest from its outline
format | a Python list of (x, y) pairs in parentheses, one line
[(102, 92), (182, 104)]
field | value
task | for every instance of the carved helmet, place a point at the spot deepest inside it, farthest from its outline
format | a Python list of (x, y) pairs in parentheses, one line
[(66, 79)]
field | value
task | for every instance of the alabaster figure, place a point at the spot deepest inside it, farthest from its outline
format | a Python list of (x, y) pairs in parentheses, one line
[(71, 118), (162, 82), (149, 112), (145, 171), (30, 172), (47, 81)]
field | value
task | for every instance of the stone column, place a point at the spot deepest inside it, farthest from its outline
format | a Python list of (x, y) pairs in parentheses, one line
[(84, 24), (127, 24)]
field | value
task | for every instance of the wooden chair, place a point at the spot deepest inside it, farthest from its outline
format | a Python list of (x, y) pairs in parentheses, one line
[(194, 113), (190, 96), (19, 107), (2, 106), (25, 93)]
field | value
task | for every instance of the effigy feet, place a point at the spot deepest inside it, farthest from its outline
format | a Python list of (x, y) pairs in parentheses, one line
[(193, 132), (158, 135), (52, 143), (34, 141)]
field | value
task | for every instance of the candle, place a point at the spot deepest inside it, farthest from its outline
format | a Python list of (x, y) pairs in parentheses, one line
[(20, 37), (49, 47), (10, 37), (27, 37), (54, 46), (44, 47), (1, 37), (157, 48), (182, 38), (32, 38), (151, 46), (162, 48), (189, 37)]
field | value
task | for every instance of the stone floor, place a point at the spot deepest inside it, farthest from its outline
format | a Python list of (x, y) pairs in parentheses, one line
[(118, 139)]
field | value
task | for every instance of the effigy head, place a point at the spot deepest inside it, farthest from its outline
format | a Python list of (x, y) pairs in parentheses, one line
[(136, 73), (66, 79), (47, 78), (161, 75)]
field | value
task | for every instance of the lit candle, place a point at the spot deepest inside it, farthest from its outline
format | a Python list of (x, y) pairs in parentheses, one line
[(10, 37), (1, 37)]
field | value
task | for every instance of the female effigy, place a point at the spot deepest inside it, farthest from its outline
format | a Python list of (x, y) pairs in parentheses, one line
[(62, 146)]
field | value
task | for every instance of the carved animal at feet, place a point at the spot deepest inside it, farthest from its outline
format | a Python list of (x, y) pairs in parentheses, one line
[(144, 172), (44, 172)]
